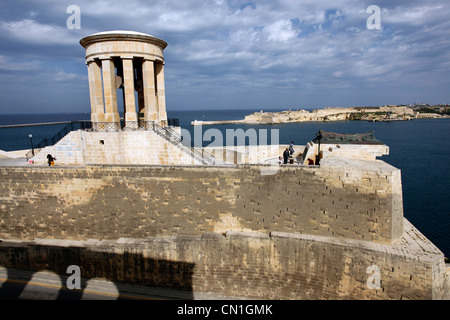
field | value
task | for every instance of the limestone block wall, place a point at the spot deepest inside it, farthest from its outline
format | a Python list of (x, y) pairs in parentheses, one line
[(123, 147), (250, 265), (352, 151), (254, 154), (342, 200), (69, 150), (225, 155), (361, 151), (133, 147)]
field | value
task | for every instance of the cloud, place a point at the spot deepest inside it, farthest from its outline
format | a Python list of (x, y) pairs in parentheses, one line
[(31, 31), (258, 52), (415, 16), (61, 75), (280, 30), (7, 64)]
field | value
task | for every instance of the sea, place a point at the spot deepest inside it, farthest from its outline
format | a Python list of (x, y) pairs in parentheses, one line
[(419, 148)]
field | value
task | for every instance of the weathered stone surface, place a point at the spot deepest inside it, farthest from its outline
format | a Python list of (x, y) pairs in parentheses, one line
[(115, 148), (300, 233), (283, 266), (111, 202)]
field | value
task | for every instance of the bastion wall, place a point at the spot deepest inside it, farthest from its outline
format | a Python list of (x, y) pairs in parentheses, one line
[(302, 232), (110, 202), (248, 265)]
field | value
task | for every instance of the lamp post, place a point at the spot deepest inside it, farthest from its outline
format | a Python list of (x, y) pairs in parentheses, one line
[(31, 140), (319, 137)]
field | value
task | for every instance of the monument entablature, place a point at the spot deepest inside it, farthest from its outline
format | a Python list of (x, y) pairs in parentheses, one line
[(124, 44)]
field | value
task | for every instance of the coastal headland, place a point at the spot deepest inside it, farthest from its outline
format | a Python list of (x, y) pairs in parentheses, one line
[(382, 113)]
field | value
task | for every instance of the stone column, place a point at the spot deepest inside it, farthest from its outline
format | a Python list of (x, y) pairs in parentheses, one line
[(148, 78), (128, 87), (109, 88), (95, 89), (161, 94)]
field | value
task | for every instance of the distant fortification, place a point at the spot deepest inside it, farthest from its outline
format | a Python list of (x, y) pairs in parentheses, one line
[(383, 113), (331, 114)]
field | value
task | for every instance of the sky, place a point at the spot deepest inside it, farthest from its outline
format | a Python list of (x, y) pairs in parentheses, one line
[(268, 54)]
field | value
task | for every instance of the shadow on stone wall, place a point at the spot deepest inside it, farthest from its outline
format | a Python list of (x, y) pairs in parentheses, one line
[(120, 269)]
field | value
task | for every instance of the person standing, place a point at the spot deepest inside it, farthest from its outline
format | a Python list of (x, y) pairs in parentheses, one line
[(51, 160), (291, 148), (286, 155)]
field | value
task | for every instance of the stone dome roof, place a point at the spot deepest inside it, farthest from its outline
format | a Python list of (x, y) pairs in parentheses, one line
[(121, 35), (122, 32)]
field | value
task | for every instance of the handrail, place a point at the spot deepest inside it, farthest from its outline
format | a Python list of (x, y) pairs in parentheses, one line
[(176, 139)]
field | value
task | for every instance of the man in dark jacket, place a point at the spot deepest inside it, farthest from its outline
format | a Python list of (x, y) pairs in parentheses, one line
[(286, 155)]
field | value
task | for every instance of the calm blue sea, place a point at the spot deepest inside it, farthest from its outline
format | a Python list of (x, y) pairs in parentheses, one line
[(420, 148)]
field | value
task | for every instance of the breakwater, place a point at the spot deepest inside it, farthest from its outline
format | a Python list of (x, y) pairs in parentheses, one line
[(32, 124)]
